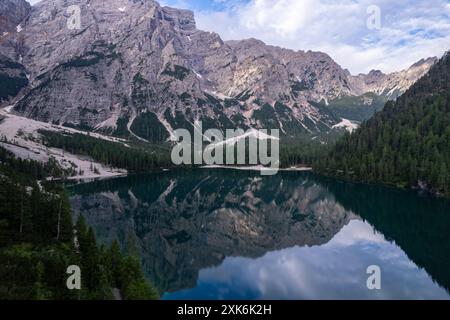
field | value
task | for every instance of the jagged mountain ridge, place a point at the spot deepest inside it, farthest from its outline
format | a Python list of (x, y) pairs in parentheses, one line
[(394, 84), (136, 66), (405, 145)]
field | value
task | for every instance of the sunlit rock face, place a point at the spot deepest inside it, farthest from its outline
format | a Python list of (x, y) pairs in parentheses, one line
[(12, 74), (183, 224), (136, 62), (12, 13), (391, 85)]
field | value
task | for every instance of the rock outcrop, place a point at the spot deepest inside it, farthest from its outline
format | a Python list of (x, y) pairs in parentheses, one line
[(140, 67)]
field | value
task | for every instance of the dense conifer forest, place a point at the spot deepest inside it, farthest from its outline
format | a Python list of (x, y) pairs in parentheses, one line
[(406, 145), (38, 242), (133, 158)]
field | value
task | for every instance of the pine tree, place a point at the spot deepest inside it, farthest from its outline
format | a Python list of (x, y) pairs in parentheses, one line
[(407, 142)]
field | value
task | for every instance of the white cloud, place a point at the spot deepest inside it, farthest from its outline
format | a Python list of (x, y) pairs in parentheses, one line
[(411, 29), (335, 270)]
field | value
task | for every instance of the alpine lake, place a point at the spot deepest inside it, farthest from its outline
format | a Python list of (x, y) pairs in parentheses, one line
[(230, 234)]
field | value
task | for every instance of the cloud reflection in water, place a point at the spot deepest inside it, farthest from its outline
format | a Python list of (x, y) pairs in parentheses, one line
[(336, 270)]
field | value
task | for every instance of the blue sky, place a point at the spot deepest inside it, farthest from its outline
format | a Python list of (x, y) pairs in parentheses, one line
[(410, 29)]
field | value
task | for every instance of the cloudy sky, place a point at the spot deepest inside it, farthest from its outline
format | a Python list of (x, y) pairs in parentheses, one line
[(410, 29)]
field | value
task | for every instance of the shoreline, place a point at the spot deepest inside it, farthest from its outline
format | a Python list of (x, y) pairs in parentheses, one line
[(256, 168)]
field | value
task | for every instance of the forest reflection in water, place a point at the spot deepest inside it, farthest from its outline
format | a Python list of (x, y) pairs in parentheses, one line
[(224, 234)]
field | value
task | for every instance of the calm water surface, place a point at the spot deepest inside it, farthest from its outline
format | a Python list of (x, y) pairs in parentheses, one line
[(223, 234)]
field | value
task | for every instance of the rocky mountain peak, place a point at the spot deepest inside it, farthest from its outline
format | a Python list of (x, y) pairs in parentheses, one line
[(391, 85), (183, 20), (375, 73), (137, 66), (425, 62)]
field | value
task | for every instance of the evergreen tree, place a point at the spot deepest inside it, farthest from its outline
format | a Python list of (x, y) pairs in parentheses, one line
[(37, 243), (406, 144)]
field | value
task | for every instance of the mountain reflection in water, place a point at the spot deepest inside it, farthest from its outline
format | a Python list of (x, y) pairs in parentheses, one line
[(223, 234)]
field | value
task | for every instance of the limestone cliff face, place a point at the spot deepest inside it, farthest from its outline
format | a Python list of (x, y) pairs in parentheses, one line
[(394, 84), (12, 13), (12, 74), (135, 64)]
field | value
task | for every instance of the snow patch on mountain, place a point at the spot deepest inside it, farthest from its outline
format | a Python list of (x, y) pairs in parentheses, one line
[(348, 125)]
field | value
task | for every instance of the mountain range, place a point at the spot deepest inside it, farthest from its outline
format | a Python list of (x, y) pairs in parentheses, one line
[(407, 144), (136, 68)]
